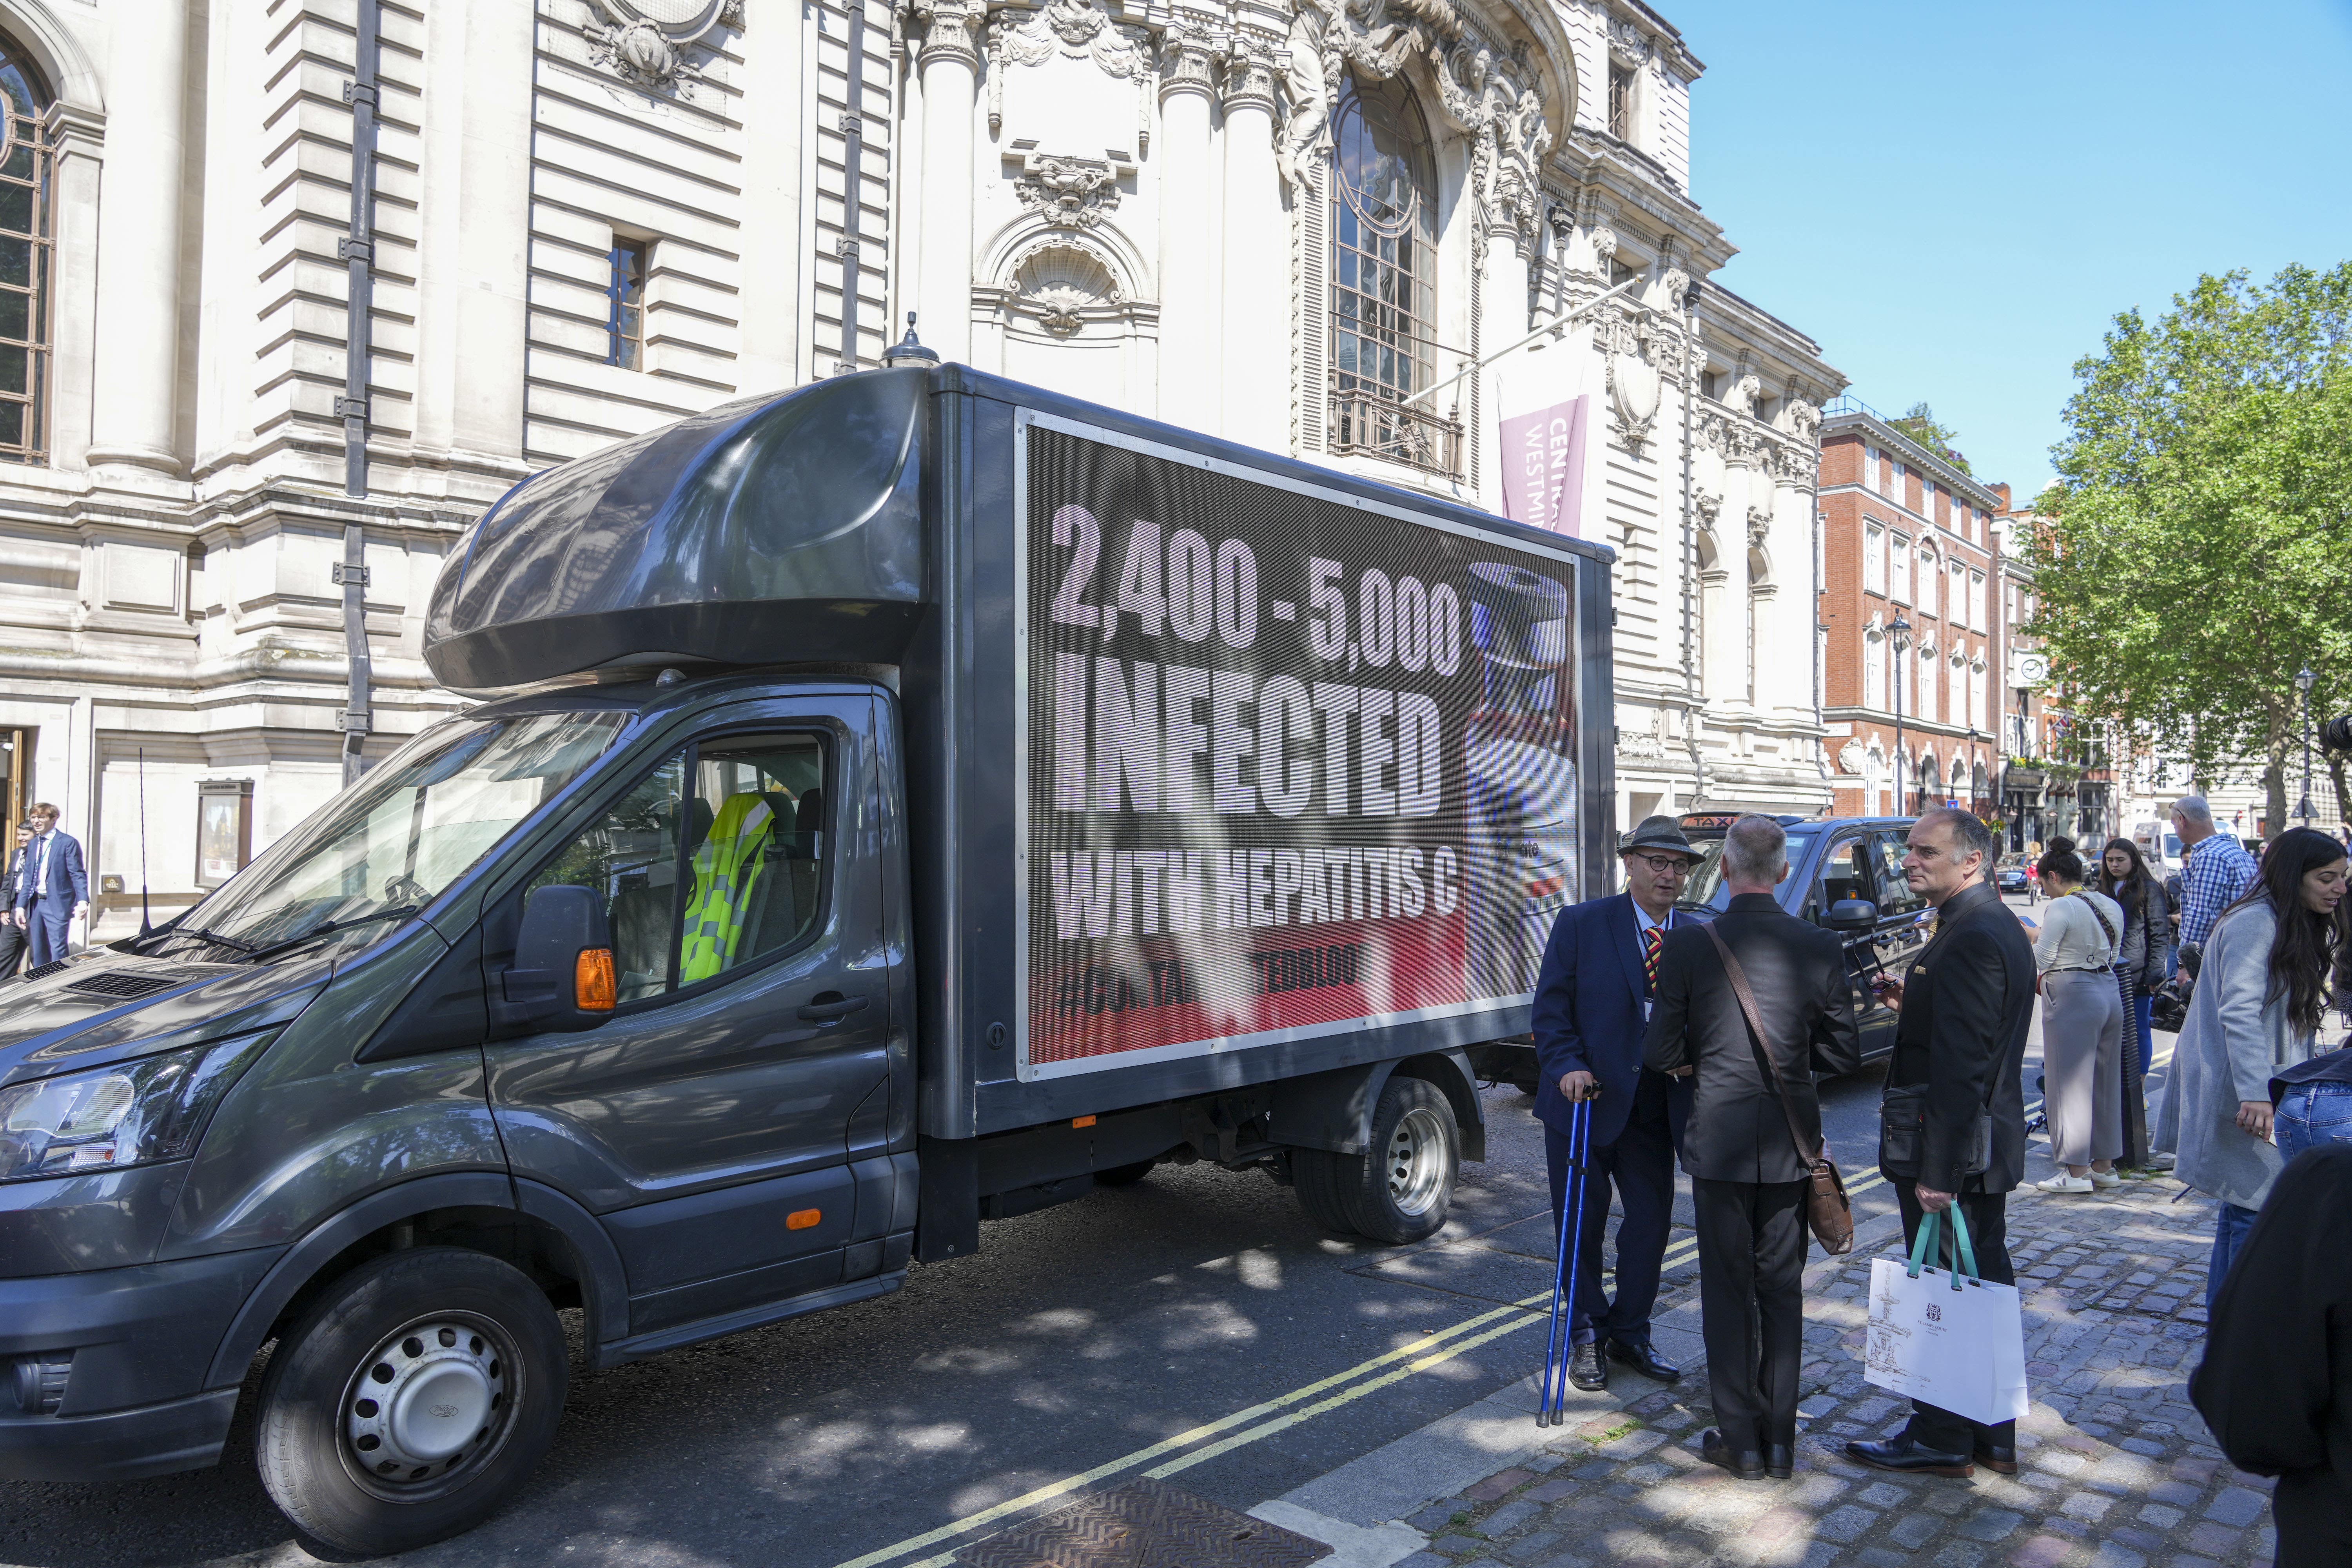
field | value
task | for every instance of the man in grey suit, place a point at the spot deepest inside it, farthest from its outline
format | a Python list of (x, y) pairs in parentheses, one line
[(1748, 1175)]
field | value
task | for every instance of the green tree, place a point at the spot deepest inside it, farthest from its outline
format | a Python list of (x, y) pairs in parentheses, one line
[(2196, 546), (1922, 426)]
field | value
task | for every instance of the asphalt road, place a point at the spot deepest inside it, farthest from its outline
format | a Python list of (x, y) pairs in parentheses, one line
[(1078, 1337)]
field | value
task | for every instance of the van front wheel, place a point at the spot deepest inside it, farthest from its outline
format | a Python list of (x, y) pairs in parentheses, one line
[(411, 1401)]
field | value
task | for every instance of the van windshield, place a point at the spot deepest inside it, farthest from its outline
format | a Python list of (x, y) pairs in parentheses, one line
[(1706, 888), (389, 846)]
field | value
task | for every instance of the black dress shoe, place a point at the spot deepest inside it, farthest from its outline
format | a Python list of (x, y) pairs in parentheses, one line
[(1584, 1368), (1904, 1456), (1780, 1460), (1745, 1463), (1997, 1457), (1637, 1355)]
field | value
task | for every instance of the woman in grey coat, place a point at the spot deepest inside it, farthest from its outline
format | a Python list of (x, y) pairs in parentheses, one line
[(2082, 1026), (2260, 993)]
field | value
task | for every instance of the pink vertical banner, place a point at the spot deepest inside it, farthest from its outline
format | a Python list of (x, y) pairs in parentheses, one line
[(1543, 466)]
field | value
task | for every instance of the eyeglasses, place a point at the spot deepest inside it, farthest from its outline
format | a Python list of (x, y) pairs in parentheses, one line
[(1664, 864)]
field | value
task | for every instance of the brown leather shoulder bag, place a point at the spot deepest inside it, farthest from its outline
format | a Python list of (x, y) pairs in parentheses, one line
[(1827, 1209)]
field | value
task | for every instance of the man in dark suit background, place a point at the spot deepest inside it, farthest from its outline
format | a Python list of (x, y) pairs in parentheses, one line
[(1591, 1006), (53, 888), (1965, 1005), (1747, 1179)]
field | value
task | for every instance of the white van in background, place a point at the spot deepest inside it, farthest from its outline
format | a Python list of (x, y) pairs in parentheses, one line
[(2159, 846)]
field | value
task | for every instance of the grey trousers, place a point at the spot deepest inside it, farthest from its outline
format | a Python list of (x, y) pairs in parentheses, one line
[(2081, 1065)]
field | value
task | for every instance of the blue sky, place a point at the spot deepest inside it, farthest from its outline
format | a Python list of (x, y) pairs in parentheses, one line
[(1955, 199)]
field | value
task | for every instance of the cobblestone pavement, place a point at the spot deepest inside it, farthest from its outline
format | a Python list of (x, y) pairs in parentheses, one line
[(2115, 1466)]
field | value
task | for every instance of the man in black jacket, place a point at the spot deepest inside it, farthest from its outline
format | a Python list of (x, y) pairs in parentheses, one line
[(1967, 1004), (2276, 1382), (1747, 1176)]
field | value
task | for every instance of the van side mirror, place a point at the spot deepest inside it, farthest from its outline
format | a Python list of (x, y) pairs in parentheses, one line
[(564, 978), (1853, 914)]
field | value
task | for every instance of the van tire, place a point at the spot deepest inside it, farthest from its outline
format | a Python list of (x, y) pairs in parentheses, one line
[(486, 1347), (1314, 1178), (1397, 1191)]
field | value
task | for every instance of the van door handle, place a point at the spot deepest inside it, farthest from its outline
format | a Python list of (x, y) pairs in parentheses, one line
[(831, 1004)]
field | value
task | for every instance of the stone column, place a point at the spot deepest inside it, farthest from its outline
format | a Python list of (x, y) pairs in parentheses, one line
[(1190, 382), (77, 135), (950, 65), (1258, 254), (138, 339), (1517, 382)]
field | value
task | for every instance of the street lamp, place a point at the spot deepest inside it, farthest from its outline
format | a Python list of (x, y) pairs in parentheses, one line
[(1898, 637), (2307, 680)]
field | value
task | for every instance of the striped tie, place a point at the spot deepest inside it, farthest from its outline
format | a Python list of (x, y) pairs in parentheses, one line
[(1652, 940)]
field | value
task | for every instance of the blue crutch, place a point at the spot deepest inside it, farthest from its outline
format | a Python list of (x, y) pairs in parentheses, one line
[(1552, 1398)]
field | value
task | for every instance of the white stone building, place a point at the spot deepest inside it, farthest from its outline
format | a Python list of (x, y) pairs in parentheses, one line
[(1274, 219)]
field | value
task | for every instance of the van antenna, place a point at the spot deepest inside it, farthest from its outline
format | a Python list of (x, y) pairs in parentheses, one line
[(146, 926)]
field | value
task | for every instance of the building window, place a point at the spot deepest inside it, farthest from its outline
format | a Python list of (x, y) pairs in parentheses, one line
[(1870, 468), (1930, 579), (1874, 672), (1924, 704), (1928, 499), (1384, 282), (1977, 695), (1902, 570), (1710, 384), (1874, 558), (1977, 601), (1899, 491), (1955, 603), (1621, 101), (624, 295), (26, 258)]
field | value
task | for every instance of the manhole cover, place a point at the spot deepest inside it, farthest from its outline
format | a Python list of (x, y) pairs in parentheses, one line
[(1144, 1524)]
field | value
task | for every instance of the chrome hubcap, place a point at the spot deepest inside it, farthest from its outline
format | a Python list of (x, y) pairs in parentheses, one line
[(1416, 1161), (430, 1400)]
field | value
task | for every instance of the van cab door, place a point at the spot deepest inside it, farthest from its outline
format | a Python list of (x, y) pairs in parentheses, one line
[(711, 1122)]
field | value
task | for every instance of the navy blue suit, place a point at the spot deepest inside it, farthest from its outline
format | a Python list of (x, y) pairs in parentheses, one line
[(48, 907), (1588, 1018)]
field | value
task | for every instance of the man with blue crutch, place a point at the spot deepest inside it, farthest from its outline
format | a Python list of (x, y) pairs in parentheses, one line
[(1591, 1004)]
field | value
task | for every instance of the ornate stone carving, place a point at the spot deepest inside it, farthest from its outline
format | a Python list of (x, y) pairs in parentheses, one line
[(1851, 758), (1305, 127), (1628, 45), (951, 28), (1058, 282), (1250, 65), (1078, 29), (1189, 52), (1710, 509), (648, 48), (1760, 527), (1067, 192)]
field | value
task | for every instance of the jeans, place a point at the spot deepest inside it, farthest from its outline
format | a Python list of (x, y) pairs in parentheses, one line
[(2314, 1113), (2229, 1235)]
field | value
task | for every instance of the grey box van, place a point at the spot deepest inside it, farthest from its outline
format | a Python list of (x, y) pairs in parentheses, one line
[(908, 801)]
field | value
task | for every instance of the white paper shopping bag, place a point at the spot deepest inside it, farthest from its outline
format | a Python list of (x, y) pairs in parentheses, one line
[(1945, 1337)]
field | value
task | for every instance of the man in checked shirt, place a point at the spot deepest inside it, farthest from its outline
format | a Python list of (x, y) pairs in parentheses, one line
[(2217, 871)]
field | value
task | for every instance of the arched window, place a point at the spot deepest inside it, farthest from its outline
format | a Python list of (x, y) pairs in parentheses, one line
[(24, 262), (1384, 281)]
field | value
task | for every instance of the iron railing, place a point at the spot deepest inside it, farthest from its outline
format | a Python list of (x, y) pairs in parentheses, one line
[(1370, 423)]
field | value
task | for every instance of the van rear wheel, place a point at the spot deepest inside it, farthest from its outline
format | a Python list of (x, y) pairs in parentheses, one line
[(1398, 1190), (411, 1401)]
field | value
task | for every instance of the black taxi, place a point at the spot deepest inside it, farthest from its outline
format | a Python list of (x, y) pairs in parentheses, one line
[(1833, 861)]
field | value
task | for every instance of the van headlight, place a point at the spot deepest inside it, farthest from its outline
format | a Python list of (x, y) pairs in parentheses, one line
[(136, 1113)]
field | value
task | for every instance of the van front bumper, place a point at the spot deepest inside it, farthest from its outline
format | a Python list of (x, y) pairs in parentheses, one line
[(133, 1347)]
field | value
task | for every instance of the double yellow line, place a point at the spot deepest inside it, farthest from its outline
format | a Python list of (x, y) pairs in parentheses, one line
[(1173, 1455)]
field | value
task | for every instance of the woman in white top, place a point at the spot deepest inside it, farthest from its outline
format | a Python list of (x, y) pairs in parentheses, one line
[(2082, 1026)]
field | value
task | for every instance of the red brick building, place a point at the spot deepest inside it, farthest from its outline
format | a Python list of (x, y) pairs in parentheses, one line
[(1914, 653)]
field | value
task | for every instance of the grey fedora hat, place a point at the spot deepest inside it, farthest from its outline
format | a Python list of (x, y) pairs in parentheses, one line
[(1657, 832)]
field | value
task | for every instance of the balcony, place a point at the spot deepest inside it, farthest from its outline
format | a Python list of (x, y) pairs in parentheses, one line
[(1365, 423)]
